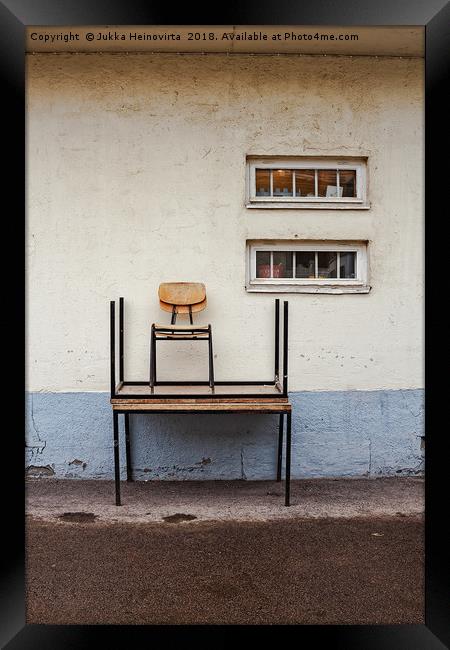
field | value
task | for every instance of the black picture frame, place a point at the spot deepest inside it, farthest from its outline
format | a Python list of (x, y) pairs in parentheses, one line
[(15, 15)]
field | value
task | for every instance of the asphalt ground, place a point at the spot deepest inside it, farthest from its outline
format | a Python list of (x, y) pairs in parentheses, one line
[(147, 501), (81, 569)]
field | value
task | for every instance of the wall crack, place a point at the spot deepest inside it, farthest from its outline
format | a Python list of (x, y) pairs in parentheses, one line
[(243, 474), (35, 449), (415, 415)]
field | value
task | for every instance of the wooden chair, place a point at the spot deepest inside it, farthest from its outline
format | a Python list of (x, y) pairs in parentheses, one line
[(185, 298)]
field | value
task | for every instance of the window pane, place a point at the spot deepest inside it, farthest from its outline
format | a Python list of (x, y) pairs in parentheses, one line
[(327, 263), (282, 182), (347, 181), (262, 264), (305, 264), (262, 182), (282, 264), (347, 265), (327, 182), (305, 182)]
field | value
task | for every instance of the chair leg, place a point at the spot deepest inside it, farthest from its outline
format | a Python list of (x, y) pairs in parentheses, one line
[(150, 372), (287, 501), (152, 357), (211, 360), (280, 447)]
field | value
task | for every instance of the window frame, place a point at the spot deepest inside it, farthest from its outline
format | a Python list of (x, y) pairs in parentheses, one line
[(308, 285), (358, 165)]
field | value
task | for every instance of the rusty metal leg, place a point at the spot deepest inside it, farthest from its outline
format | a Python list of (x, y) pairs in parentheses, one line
[(280, 447), (116, 456), (287, 501), (128, 446)]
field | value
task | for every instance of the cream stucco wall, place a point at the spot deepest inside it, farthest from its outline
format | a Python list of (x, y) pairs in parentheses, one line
[(136, 175)]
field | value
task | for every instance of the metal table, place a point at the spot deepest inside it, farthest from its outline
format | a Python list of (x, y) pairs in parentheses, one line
[(262, 397)]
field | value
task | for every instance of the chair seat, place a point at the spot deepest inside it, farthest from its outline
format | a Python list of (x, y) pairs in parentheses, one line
[(181, 331), (181, 327)]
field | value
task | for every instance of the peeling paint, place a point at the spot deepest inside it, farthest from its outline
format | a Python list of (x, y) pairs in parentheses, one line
[(35, 471), (335, 433), (78, 462)]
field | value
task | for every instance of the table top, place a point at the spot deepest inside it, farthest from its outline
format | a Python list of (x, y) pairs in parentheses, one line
[(227, 397), (202, 407)]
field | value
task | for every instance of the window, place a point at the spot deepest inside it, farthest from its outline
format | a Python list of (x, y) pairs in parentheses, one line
[(307, 267), (306, 183)]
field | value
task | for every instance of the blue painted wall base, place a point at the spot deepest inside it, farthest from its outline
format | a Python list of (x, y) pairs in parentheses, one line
[(342, 433)]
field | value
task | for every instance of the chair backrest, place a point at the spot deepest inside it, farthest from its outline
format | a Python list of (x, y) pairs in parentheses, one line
[(186, 297)]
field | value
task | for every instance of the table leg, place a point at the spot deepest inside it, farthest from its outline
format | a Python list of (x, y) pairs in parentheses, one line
[(280, 447), (128, 446), (287, 501), (116, 456)]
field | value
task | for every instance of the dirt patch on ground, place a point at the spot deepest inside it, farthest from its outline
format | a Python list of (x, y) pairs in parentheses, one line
[(178, 517), (226, 500), (78, 517), (327, 571)]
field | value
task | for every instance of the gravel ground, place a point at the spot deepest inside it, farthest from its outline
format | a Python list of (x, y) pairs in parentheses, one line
[(346, 552), (227, 500), (322, 571)]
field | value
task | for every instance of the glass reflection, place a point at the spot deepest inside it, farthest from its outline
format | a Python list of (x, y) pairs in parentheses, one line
[(305, 182), (328, 183), (347, 265), (282, 264), (347, 181), (282, 182), (262, 182), (305, 264), (262, 264), (327, 265)]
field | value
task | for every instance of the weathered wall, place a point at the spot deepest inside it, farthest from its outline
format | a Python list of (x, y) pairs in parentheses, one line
[(136, 175), (341, 433)]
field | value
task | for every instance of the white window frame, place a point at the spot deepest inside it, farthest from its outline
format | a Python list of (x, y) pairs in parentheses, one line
[(308, 285), (305, 162)]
